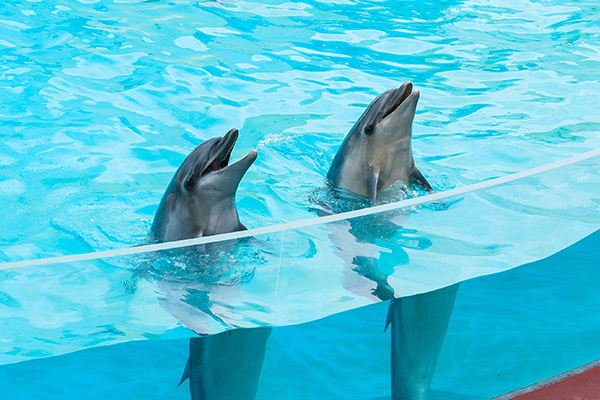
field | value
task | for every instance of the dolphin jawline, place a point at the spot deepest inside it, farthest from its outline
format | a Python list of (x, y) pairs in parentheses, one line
[(399, 97), (221, 160)]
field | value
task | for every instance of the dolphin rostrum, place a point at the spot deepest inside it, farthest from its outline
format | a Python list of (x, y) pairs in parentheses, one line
[(200, 201), (376, 153)]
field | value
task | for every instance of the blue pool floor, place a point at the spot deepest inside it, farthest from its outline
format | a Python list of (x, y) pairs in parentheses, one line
[(508, 331)]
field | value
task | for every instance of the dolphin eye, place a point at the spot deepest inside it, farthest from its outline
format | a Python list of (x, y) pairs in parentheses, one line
[(189, 184), (368, 129)]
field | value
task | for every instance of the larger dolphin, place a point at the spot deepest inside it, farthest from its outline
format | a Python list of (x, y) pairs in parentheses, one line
[(376, 153), (200, 201)]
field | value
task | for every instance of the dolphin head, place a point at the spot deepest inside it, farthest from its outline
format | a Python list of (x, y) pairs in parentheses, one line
[(200, 200), (377, 151)]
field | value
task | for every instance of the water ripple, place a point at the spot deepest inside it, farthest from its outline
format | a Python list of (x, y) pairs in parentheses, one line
[(103, 100)]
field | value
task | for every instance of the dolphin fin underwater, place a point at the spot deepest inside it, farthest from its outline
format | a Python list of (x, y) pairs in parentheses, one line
[(376, 153), (200, 201)]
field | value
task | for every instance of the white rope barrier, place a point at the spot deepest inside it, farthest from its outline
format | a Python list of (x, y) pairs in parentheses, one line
[(302, 223)]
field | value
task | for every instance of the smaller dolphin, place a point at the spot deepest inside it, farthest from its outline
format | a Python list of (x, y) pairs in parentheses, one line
[(377, 151), (200, 201)]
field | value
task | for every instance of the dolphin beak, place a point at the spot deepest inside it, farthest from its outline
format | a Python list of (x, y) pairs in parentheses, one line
[(221, 158), (246, 161), (229, 175), (399, 98), (219, 165)]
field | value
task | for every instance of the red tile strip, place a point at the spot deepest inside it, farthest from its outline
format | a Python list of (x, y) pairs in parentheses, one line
[(582, 383)]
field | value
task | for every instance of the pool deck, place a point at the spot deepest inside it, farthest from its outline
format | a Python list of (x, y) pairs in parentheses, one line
[(581, 383)]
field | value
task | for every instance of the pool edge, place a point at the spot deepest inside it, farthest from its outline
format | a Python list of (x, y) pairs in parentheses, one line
[(583, 381)]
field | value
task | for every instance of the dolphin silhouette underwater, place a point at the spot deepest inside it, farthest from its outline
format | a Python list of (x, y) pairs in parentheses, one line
[(200, 201), (376, 153)]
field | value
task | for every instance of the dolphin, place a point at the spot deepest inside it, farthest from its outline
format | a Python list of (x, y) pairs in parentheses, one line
[(376, 153), (200, 201)]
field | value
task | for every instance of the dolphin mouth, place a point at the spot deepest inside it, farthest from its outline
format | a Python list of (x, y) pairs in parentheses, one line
[(221, 159), (398, 99)]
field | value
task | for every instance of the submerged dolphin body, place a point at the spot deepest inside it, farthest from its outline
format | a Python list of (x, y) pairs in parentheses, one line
[(419, 325), (200, 201), (376, 153)]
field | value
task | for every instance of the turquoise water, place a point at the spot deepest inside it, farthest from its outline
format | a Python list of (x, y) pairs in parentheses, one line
[(101, 101), (508, 330)]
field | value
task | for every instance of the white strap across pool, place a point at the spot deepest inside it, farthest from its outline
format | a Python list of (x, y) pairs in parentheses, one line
[(303, 223)]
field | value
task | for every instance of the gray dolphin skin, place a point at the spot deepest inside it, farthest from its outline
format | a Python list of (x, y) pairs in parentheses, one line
[(226, 366), (376, 153), (200, 201), (419, 324)]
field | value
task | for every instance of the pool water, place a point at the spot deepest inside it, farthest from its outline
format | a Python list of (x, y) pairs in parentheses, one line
[(100, 102), (508, 330)]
